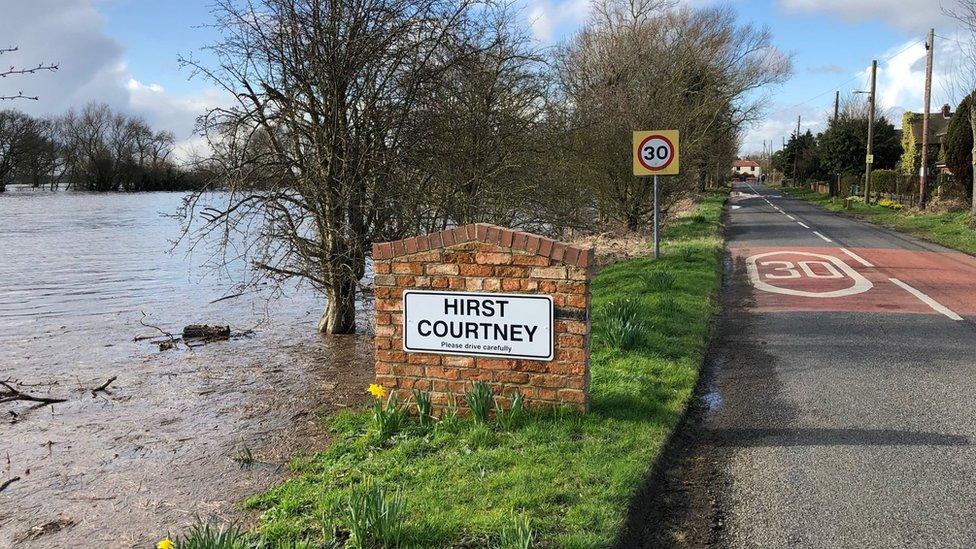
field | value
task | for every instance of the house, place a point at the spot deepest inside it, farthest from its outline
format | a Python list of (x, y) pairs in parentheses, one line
[(748, 168), (938, 126)]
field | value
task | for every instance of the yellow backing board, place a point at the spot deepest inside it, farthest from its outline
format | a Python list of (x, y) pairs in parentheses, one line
[(656, 152)]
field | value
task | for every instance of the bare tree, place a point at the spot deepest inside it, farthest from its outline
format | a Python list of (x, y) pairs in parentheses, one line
[(647, 64), (317, 150), (13, 71)]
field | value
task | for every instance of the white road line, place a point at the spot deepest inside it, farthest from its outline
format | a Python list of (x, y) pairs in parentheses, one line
[(936, 306), (822, 236), (857, 258), (802, 224), (789, 216)]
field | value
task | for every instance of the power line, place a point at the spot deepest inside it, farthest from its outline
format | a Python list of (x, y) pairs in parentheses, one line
[(857, 76)]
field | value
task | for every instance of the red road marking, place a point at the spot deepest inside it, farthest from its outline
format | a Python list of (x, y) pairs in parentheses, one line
[(949, 278)]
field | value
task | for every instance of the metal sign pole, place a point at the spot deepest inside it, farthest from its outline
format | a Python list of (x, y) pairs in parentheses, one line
[(657, 237)]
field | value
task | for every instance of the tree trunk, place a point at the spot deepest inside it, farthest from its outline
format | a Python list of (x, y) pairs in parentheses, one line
[(340, 311)]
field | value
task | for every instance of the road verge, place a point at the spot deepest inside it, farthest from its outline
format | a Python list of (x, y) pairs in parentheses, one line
[(570, 477), (950, 229)]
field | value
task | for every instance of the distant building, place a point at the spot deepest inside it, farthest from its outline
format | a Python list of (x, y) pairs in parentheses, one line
[(748, 168), (938, 126)]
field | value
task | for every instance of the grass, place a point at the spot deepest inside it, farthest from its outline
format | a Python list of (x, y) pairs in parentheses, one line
[(951, 230), (556, 477)]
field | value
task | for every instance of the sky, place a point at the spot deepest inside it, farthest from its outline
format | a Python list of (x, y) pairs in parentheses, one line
[(124, 53)]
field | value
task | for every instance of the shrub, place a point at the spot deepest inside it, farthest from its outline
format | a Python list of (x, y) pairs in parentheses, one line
[(890, 204)]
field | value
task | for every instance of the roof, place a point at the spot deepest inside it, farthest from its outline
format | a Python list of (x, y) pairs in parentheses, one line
[(746, 163), (938, 124), (486, 233)]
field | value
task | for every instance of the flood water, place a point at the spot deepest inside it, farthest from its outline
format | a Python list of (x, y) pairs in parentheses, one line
[(121, 468)]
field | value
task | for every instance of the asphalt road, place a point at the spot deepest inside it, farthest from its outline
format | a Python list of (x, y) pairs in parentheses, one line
[(840, 405)]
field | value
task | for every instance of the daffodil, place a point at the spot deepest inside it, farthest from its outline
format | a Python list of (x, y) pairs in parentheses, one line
[(376, 390), (165, 543)]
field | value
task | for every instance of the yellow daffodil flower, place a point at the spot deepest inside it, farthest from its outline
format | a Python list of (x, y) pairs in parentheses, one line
[(376, 390), (165, 543)]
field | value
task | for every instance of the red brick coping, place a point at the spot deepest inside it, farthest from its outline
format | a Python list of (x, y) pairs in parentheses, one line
[(567, 254)]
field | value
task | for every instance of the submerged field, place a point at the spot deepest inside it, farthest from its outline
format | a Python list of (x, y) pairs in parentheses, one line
[(557, 477)]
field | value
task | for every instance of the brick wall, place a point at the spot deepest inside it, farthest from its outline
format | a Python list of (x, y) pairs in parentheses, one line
[(485, 258)]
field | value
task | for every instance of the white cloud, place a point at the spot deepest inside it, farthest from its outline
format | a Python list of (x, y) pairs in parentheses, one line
[(907, 14), (92, 67), (547, 18)]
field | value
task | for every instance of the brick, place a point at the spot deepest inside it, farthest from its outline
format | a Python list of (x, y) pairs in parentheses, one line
[(574, 326), (492, 284), (458, 257), (403, 267), (558, 251), (511, 284), (382, 343), (506, 238), (577, 273), (475, 270), (458, 361), (388, 330), (435, 240), (570, 341), (442, 269), (474, 284), (566, 368), (518, 242), (529, 285), (384, 280), (387, 381), (572, 395), (508, 271), (382, 369), (381, 267), (530, 260), (389, 305), (494, 363), (408, 370), (545, 247), (439, 372), (447, 237), (405, 281), (482, 232), (572, 254), (576, 300), (422, 282), (556, 272), (439, 282), (507, 376), (383, 250), (410, 245), (391, 356), (547, 286), (569, 355), (423, 243), (456, 283), (423, 358), (532, 243), (493, 258), (493, 235), (472, 374), (571, 288)]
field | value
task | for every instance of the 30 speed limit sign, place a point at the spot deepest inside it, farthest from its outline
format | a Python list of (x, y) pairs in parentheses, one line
[(656, 152)]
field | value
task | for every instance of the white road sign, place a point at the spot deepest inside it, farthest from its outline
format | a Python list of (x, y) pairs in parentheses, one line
[(478, 324)]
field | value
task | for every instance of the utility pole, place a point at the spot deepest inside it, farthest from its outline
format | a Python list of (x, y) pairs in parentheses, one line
[(924, 163), (870, 159), (796, 150), (835, 186)]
